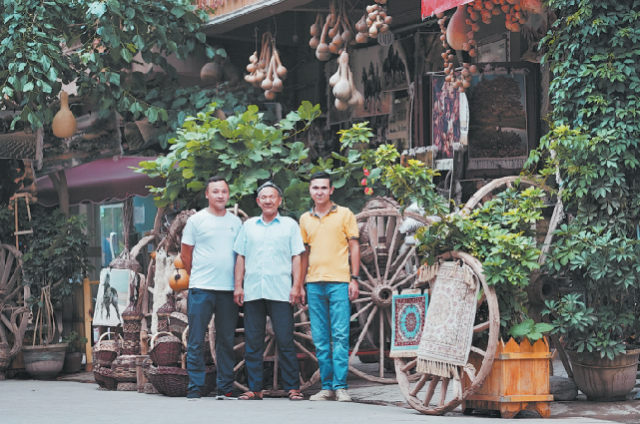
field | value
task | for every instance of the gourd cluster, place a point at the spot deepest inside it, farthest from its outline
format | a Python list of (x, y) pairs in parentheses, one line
[(344, 89), (375, 21), (334, 35), (461, 80), (266, 71), (480, 10)]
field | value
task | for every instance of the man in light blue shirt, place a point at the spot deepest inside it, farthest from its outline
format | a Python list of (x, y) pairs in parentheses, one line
[(209, 259), (269, 249)]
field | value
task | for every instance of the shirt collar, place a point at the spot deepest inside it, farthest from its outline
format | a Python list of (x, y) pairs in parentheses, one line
[(334, 208), (277, 218)]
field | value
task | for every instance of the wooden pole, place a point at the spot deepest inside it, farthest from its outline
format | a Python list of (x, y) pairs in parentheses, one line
[(59, 180), (86, 287)]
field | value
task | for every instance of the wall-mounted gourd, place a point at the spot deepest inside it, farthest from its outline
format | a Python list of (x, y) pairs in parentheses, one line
[(64, 123), (266, 71)]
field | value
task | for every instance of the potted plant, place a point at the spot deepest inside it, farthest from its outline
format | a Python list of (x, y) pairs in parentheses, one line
[(73, 358), (56, 258)]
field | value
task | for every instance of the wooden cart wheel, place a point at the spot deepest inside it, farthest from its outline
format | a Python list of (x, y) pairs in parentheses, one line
[(387, 264), (505, 183), (309, 373), (439, 396)]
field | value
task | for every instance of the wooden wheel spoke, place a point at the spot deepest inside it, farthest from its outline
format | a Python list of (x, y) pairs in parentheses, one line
[(411, 252), (481, 327), (373, 242), (301, 324), (361, 311), (362, 300), (366, 293), (363, 332), (239, 346), (432, 388), (267, 349), (443, 391), (305, 350), (382, 343), (370, 277), (303, 335), (403, 282), (419, 385), (478, 351), (238, 366), (409, 365), (392, 245)]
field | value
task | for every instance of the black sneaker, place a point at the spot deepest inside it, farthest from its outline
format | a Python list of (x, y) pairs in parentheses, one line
[(234, 394), (194, 395)]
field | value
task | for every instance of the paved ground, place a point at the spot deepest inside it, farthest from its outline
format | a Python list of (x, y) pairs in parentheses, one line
[(71, 401)]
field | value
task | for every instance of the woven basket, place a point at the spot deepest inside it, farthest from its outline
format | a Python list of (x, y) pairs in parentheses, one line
[(132, 313), (208, 357), (165, 352), (174, 382), (131, 347), (124, 368), (146, 363), (104, 378), (178, 322), (150, 389), (105, 351), (127, 387), (5, 359)]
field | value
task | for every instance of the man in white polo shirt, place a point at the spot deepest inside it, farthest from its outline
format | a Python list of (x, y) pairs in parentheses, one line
[(208, 256)]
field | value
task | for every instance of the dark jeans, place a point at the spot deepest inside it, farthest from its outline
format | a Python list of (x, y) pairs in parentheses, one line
[(201, 306), (255, 319)]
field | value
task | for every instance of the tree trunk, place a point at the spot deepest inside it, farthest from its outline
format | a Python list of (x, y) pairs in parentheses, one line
[(59, 180)]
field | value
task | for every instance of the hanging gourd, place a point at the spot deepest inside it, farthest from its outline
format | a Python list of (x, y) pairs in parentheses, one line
[(180, 280), (457, 29), (64, 123)]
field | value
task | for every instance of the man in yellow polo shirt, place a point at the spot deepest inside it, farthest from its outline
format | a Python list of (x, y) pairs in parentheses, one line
[(329, 233)]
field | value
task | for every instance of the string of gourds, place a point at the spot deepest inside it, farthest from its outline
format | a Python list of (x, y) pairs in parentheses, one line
[(266, 71)]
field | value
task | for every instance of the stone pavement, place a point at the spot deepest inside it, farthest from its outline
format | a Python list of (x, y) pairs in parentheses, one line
[(32, 401)]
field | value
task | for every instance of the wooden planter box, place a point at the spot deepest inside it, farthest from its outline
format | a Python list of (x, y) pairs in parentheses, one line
[(518, 381)]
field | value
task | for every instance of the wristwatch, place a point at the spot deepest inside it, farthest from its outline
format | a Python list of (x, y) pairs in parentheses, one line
[(354, 277)]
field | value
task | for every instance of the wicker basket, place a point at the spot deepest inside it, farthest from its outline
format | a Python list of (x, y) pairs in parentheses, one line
[(131, 344), (208, 357), (150, 389), (174, 382), (165, 352), (127, 387), (178, 322), (105, 351), (124, 368), (104, 378), (163, 314)]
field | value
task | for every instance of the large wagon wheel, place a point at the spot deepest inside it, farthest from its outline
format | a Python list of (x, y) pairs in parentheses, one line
[(439, 397), (13, 316), (387, 264), (309, 373)]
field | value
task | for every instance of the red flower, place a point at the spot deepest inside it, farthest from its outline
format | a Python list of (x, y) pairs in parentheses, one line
[(368, 191), (366, 172), (363, 182)]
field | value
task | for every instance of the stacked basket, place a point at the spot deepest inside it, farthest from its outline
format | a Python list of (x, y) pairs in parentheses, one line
[(132, 318), (104, 353), (163, 314)]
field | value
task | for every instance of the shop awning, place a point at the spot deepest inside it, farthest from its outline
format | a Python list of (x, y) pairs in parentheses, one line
[(431, 7), (98, 181)]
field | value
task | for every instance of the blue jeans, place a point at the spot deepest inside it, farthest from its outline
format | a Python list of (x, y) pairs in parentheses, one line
[(255, 319), (202, 304), (330, 312)]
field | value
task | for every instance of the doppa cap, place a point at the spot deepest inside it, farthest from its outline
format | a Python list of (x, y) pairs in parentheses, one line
[(269, 184)]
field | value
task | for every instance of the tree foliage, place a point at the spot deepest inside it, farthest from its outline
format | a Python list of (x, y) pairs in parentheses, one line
[(594, 54), (45, 44)]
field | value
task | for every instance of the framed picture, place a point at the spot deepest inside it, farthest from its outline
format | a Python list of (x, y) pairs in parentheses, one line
[(503, 122), (494, 49), (445, 118), (113, 296)]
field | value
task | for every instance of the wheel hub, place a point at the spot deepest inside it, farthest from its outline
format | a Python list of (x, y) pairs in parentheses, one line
[(381, 295)]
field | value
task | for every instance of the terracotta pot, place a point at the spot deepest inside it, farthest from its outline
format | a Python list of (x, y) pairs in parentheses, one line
[(44, 361), (603, 379), (64, 123), (73, 362)]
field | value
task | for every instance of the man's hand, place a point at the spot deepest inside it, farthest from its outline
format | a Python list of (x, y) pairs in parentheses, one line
[(297, 296), (354, 289), (238, 296)]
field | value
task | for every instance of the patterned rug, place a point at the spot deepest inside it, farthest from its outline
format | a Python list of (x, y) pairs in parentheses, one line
[(446, 339), (409, 310)]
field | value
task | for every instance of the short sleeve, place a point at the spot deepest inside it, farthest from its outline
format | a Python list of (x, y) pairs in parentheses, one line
[(351, 226), (189, 232), (240, 246), (297, 245), (303, 230)]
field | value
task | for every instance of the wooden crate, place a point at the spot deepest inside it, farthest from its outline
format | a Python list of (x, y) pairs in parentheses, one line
[(518, 381)]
